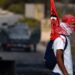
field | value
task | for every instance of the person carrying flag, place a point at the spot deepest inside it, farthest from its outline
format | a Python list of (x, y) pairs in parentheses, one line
[(64, 64)]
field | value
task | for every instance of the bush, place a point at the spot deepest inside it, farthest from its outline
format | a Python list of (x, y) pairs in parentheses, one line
[(17, 8), (3, 3), (30, 21)]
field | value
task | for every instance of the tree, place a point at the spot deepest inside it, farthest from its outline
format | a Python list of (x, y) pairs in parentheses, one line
[(17, 8), (2, 3)]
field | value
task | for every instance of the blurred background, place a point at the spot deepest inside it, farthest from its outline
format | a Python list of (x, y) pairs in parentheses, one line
[(24, 33)]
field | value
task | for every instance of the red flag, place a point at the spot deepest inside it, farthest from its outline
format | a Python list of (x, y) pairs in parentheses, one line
[(53, 10), (54, 22)]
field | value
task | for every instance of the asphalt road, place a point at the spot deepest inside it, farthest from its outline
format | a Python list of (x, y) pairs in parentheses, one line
[(28, 62)]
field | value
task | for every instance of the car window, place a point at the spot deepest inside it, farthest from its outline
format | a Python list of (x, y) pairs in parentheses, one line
[(19, 31)]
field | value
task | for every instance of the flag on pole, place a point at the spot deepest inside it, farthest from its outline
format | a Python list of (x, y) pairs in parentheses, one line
[(53, 10), (54, 20)]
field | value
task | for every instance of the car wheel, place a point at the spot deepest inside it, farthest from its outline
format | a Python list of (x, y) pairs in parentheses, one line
[(6, 49), (27, 49), (34, 47), (1, 49)]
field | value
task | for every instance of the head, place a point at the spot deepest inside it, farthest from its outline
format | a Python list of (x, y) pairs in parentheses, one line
[(68, 24), (70, 21), (53, 20)]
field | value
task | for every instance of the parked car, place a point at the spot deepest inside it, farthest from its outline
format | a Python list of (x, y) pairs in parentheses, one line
[(20, 37)]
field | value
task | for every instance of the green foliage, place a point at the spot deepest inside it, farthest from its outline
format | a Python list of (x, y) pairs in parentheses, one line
[(17, 8), (3, 3), (31, 22), (59, 0), (59, 12)]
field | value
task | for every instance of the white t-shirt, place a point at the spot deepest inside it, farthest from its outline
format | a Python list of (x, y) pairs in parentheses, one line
[(59, 43)]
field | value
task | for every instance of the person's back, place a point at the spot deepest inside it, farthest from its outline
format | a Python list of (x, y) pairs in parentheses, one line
[(59, 44)]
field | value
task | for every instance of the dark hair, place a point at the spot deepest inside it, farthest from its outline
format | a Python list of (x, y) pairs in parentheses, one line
[(53, 16)]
